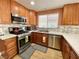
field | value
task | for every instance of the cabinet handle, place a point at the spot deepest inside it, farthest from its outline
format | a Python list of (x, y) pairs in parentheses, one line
[(44, 39)]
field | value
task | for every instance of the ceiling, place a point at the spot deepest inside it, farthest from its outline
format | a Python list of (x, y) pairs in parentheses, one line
[(41, 5)]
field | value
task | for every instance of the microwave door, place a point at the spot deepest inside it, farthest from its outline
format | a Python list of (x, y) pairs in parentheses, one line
[(18, 19)]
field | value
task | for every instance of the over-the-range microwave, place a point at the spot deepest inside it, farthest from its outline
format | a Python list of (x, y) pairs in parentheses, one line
[(18, 19)]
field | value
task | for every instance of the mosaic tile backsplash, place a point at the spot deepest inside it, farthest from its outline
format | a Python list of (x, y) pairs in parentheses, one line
[(67, 29)]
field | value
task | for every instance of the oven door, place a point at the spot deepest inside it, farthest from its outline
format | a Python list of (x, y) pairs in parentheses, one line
[(24, 41)]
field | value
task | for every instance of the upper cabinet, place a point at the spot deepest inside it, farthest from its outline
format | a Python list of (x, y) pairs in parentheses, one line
[(16, 8), (19, 10), (5, 16), (22, 10), (33, 18), (28, 16), (71, 14)]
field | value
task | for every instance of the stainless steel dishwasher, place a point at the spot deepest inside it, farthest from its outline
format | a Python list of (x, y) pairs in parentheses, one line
[(54, 41)]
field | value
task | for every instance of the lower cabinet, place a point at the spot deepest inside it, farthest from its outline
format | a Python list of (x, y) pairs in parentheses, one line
[(33, 37), (2, 50), (73, 55), (10, 48), (67, 51), (40, 38)]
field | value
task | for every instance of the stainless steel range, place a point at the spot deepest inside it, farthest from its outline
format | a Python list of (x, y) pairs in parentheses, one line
[(23, 38), (23, 42)]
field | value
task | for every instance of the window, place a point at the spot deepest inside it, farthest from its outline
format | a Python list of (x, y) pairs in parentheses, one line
[(42, 21), (48, 21), (53, 20)]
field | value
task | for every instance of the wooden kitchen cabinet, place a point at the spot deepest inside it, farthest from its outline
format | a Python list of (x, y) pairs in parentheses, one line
[(8, 48), (11, 47), (33, 20), (67, 51), (27, 16), (5, 15), (40, 38), (22, 11), (73, 55), (33, 37), (17, 9), (2, 49), (71, 14)]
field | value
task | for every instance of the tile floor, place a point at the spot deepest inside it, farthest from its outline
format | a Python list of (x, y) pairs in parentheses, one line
[(50, 54)]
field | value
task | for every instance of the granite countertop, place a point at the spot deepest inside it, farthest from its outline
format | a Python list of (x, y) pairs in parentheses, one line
[(7, 36), (71, 38)]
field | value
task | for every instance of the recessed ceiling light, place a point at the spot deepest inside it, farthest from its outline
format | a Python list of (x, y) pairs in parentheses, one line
[(32, 3)]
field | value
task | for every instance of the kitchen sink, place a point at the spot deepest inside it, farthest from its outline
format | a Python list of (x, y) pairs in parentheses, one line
[(43, 31), (1, 34)]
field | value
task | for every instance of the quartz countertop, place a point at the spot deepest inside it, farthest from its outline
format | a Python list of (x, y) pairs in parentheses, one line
[(7, 36)]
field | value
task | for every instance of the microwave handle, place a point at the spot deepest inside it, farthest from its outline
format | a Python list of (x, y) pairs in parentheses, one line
[(25, 20)]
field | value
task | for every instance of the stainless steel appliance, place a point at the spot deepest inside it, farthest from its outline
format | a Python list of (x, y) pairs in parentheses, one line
[(31, 27), (28, 28), (17, 30), (18, 19), (54, 41), (23, 38), (23, 42)]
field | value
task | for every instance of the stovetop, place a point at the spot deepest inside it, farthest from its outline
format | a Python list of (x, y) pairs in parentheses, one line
[(18, 33)]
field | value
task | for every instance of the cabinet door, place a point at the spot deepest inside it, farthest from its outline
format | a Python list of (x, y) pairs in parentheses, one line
[(5, 16), (39, 38), (77, 13), (33, 37), (66, 50), (33, 18), (2, 49), (73, 55), (11, 47), (70, 16), (1, 10), (22, 11), (42, 39), (15, 8), (27, 16)]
